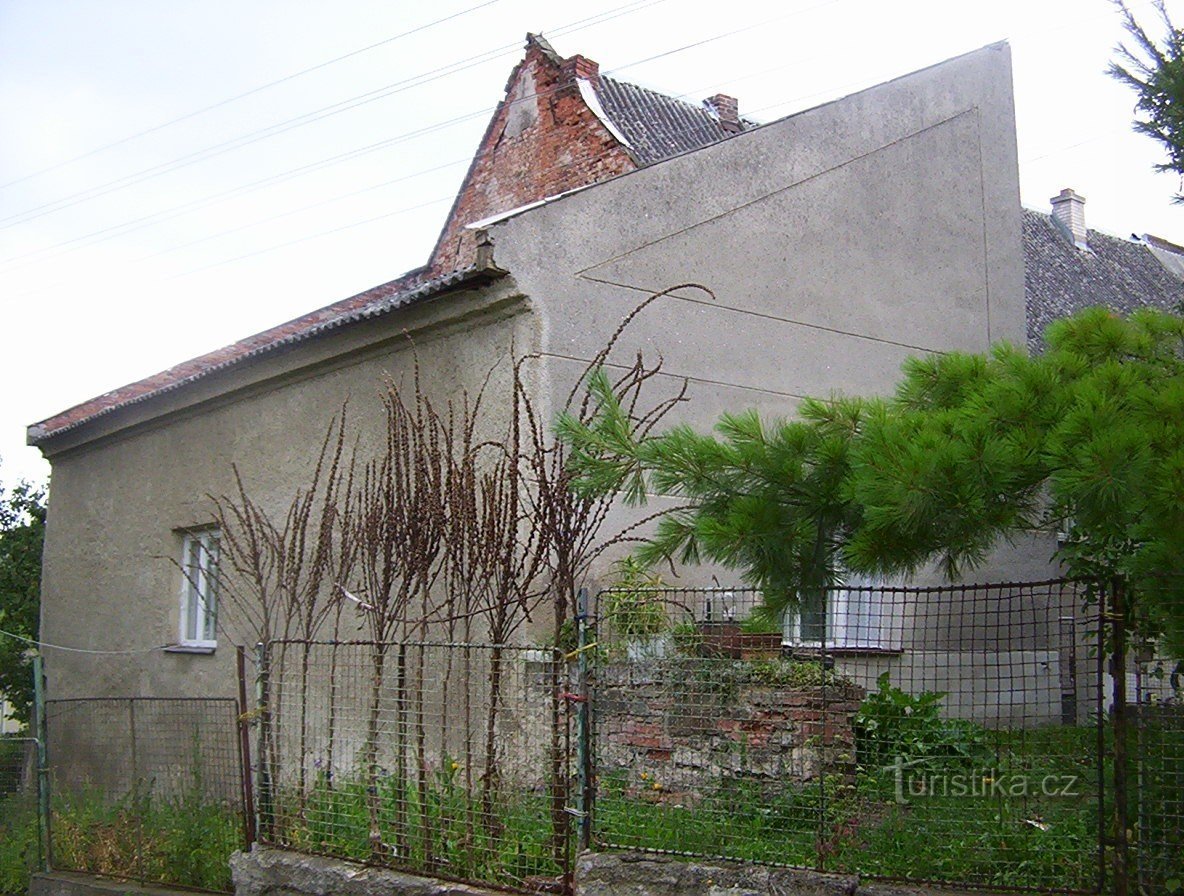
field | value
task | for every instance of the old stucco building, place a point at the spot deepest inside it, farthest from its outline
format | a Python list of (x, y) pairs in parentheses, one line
[(837, 242)]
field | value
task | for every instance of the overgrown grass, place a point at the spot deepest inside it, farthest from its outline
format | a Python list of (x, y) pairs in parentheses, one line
[(856, 824), (447, 835), (184, 840), (20, 852)]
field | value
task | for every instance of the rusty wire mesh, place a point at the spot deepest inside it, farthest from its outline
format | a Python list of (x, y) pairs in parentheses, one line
[(444, 759), (949, 735), (146, 789), (21, 850)]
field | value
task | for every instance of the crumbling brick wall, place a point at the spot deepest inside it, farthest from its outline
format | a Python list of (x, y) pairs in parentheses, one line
[(673, 733), (542, 140)]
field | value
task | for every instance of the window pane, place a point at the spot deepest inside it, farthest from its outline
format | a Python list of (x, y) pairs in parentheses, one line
[(812, 617)]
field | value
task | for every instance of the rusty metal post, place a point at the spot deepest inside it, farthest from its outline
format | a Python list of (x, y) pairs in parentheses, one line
[(250, 822), (265, 819)]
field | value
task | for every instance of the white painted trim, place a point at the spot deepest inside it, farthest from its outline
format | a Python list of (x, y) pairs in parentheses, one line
[(588, 92)]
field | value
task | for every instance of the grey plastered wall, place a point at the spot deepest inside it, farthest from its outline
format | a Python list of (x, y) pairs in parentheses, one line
[(123, 489), (837, 242)]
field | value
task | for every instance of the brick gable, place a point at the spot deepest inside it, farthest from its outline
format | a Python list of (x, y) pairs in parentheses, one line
[(543, 140)]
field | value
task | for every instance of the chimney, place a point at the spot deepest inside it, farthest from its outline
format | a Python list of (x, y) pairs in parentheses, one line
[(1068, 210), (581, 67), (727, 110)]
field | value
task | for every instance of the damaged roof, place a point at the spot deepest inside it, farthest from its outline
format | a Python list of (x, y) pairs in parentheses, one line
[(657, 126)]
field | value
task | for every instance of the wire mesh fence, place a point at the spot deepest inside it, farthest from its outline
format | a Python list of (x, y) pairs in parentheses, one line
[(950, 735), (146, 789), (21, 849), (445, 759)]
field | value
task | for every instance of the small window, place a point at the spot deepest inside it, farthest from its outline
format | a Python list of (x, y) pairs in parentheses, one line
[(199, 591)]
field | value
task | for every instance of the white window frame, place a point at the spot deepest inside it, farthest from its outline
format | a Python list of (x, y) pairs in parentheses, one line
[(199, 588), (857, 618)]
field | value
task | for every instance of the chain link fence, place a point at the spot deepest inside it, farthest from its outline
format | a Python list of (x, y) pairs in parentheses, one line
[(146, 789), (442, 759)]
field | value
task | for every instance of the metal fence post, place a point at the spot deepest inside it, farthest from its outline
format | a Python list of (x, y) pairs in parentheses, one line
[(587, 780), (264, 813), (250, 821), (1118, 663), (139, 806), (40, 726)]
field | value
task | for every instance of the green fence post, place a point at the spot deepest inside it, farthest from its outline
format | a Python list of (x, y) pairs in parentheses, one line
[(587, 780), (40, 726)]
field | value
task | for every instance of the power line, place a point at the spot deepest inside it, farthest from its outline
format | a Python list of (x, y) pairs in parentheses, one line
[(286, 125), (313, 236), (135, 224), (254, 90), (44, 644)]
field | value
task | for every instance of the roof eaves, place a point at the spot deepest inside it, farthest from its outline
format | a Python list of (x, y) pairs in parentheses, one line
[(40, 433)]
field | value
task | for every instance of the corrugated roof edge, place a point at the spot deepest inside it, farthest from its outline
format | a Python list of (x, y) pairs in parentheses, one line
[(39, 433)]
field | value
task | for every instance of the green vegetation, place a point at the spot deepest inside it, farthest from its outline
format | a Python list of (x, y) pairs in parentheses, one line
[(1155, 71), (973, 449), (854, 823), (185, 840), (632, 609), (448, 835), (20, 849), (891, 724), (22, 530)]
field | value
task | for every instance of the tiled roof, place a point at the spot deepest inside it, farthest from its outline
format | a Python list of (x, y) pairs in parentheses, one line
[(407, 290), (657, 126), (1060, 279)]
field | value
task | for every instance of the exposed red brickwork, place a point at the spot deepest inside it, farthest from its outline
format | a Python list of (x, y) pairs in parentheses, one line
[(543, 140)]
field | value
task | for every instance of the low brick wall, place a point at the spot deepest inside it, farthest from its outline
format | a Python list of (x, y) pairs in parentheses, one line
[(689, 733)]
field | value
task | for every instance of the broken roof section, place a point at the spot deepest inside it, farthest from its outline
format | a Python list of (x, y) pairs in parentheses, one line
[(560, 126)]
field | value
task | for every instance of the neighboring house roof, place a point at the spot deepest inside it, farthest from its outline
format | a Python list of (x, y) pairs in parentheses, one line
[(407, 290), (1060, 279), (656, 126)]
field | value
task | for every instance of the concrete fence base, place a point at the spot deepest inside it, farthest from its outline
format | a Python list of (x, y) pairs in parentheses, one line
[(277, 872)]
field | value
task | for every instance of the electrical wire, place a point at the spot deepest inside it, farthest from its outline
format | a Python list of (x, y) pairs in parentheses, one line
[(46, 644), (286, 125), (271, 179), (254, 90)]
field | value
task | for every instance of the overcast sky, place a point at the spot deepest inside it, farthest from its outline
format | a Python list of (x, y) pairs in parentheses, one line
[(162, 196)]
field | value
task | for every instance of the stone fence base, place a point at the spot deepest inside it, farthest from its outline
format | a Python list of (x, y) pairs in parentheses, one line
[(275, 872), (635, 874)]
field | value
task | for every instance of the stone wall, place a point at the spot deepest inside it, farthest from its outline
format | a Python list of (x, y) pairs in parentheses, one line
[(674, 729), (626, 874)]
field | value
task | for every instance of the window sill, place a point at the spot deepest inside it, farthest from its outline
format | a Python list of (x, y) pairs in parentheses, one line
[(190, 649), (812, 652)]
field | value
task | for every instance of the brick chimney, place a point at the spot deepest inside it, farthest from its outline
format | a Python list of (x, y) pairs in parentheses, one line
[(581, 67), (727, 110), (1068, 210)]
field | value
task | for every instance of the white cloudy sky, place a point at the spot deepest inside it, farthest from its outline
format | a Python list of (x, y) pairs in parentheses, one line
[(155, 203)]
